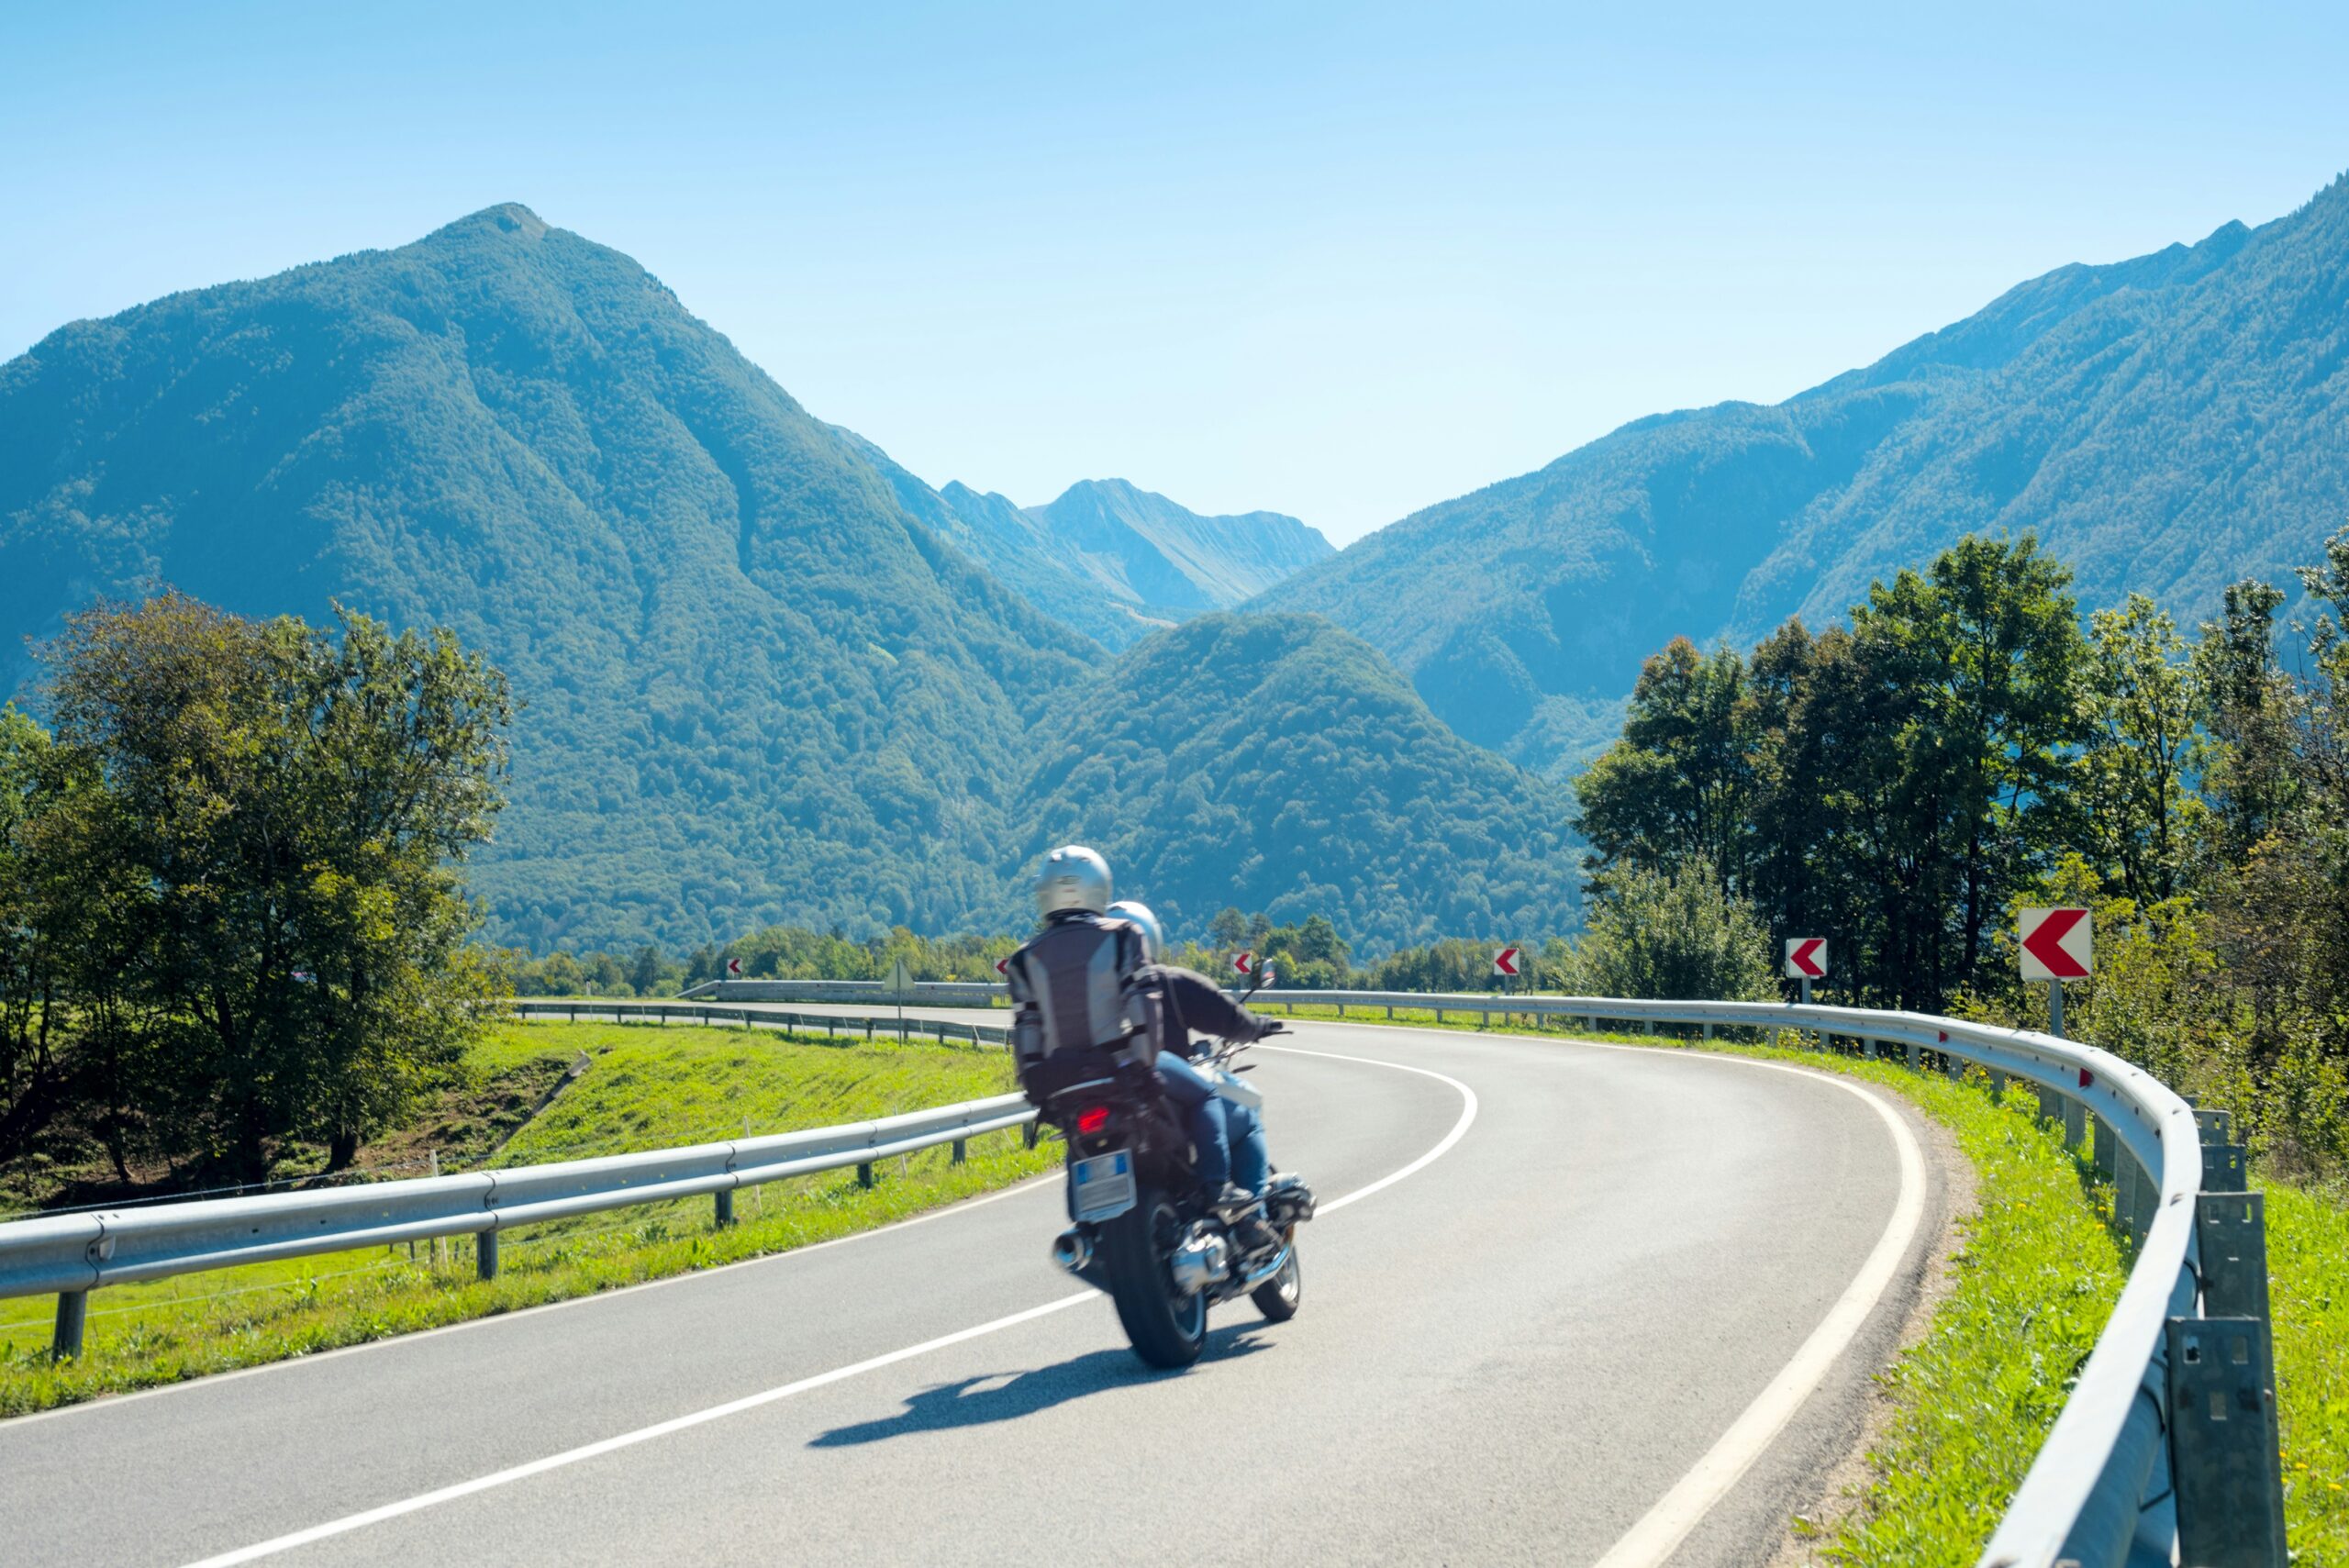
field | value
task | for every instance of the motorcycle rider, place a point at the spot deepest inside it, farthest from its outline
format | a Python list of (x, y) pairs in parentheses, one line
[(1233, 1160), (1088, 979)]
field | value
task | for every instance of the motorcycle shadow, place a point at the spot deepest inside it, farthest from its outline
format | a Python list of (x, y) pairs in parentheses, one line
[(978, 1401)]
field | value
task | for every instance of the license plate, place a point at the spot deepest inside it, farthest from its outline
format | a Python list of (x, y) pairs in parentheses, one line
[(1102, 1187)]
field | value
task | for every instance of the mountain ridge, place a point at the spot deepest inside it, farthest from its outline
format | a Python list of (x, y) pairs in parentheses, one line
[(2168, 421), (762, 679)]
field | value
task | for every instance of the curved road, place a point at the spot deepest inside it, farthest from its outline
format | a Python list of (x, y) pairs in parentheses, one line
[(1579, 1288)]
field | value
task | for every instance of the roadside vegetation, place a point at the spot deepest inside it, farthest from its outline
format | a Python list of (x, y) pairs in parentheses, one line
[(642, 1087)]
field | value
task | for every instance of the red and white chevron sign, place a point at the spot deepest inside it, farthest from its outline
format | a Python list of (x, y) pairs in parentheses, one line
[(2057, 945), (1003, 967), (1505, 963), (733, 969), (1806, 958), (1244, 963)]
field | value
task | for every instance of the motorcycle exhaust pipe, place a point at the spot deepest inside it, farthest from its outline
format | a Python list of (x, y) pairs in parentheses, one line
[(1072, 1249)]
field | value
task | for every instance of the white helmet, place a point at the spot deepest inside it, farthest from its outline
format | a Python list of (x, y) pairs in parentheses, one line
[(1074, 878), (1154, 939)]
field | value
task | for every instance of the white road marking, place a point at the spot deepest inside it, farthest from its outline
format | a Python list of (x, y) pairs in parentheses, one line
[(527, 1313), (1459, 1128), (1660, 1532), (349, 1522), (1652, 1542)]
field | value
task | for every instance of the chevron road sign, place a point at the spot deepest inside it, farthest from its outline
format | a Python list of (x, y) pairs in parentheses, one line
[(1806, 958), (1504, 962), (2057, 944)]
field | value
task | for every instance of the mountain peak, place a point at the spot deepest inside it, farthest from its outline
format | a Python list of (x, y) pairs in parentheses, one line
[(505, 218)]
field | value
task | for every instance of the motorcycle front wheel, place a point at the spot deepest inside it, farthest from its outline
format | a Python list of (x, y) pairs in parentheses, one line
[(1166, 1328)]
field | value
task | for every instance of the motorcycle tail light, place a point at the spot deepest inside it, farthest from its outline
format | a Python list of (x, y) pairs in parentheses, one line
[(1092, 1119)]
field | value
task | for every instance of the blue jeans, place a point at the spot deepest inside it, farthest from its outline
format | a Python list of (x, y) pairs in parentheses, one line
[(1226, 1137)]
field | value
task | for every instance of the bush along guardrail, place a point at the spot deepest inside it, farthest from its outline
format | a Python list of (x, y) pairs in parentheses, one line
[(2167, 1450)]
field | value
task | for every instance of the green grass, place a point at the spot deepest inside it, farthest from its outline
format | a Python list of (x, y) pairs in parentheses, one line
[(646, 1087), (2308, 1272), (2035, 1276)]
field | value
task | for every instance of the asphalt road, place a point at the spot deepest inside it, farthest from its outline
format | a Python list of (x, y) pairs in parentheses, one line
[(1607, 1304)]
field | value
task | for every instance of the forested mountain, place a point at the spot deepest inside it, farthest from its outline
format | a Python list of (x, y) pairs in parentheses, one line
[(754, 686), (762, 675), (1111, 560), (2168, 424), (1276, 763), (1119, 563)]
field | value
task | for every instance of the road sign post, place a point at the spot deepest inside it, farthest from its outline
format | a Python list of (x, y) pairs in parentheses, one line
[(901, 980), (1806, 961), (2055, 945)]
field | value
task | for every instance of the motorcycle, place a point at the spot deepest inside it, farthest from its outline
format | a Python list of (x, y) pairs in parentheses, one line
[(1143, 1232)]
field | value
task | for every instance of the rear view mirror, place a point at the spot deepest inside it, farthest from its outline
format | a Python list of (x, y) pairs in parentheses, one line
[(1272, 976)]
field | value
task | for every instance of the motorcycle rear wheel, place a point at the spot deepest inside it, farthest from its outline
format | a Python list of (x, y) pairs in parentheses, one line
[(1166, 1328), (1278, 1298)]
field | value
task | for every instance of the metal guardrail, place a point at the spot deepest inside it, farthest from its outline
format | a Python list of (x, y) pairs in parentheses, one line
[(2167, 1450), (71, 1256), (857, 993), (587, 1009)]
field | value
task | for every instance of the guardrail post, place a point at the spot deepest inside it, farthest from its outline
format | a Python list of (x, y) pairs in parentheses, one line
[(2106, 1146), (2223, 1459), (1998, 1083), (73, 1312), (2076, 1129), (1708, 1028), (2124, 1193), (486, 1254), (2224, 1165), (961, 1149), (724, 1216), (1916, 1057), (1030, 1133), (864, 1175)]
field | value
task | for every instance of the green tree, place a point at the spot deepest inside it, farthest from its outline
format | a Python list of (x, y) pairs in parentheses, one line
[(1987, 646), (1678, 785), (287, 808), (2145, 749), (2247, 703)]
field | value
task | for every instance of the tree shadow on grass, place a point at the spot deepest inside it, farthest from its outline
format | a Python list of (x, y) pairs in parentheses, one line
[(977, 1401)]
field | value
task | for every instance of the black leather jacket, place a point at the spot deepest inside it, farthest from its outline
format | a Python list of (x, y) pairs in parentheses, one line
[(1196, 1005)]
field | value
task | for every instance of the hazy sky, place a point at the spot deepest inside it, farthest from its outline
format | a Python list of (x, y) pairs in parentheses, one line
[(1342, 262)]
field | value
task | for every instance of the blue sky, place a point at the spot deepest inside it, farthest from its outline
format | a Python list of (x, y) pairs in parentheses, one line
[(1342, 262)]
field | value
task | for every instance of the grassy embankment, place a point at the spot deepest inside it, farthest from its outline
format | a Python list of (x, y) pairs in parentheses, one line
[(646, 1087), (2034, 1277)]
